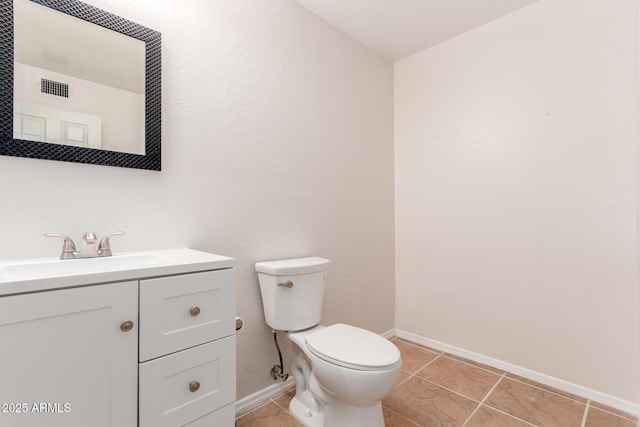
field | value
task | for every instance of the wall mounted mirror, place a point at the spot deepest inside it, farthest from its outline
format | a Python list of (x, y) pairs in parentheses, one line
[(78, 84)]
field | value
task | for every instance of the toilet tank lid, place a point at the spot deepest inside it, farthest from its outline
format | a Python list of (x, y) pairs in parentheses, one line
[(291, 267)]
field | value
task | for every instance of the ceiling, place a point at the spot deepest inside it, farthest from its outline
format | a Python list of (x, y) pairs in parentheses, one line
[(54, 41), (399, 28)]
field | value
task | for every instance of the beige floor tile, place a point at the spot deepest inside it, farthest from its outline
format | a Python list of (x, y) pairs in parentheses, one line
[(613, 411), (546, 387), (489, 417), (534, 405), (414, 358), (478, 364), (269, 415), (402, 377), (393, 419), (428, 404), (466, 379), (598, 418), (285, 399)]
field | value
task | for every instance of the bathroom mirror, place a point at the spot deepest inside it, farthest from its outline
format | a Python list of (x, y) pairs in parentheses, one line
[(79, 84)]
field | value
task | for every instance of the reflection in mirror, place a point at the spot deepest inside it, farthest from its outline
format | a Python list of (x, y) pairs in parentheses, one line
[(68, 92), (84, 85)]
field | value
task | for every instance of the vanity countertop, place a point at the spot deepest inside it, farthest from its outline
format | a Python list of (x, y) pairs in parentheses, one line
[(40, 274)]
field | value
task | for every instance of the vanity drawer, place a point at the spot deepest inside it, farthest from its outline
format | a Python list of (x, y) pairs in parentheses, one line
[(179, 312), (169, 395)]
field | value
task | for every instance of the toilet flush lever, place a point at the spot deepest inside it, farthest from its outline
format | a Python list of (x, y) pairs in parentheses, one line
[(288, 284)]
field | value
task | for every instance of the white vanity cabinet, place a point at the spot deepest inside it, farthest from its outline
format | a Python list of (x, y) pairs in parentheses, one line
[(148, 347)]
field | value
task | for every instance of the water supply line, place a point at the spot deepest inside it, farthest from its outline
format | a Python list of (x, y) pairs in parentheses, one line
[(278, 370)]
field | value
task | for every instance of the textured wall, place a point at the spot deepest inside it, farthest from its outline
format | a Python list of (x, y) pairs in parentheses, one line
[(516, 187), (277, 142)]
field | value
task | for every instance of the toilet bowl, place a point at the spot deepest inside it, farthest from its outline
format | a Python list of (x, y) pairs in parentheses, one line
[(342, 372), (352, 370)]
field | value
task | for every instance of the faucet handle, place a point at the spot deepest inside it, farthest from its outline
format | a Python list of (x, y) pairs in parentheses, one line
[(68, 247), (104, 248)]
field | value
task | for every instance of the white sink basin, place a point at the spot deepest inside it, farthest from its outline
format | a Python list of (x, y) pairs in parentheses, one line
[(29, 275), (56, 267)]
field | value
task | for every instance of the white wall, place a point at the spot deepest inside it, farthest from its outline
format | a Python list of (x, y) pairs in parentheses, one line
[(277, 141), (516, 193)]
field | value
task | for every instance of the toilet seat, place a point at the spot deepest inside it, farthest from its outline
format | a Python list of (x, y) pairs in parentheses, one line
[(353, 348)]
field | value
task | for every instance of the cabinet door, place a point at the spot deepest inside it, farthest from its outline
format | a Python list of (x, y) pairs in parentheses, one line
[(64, 360)]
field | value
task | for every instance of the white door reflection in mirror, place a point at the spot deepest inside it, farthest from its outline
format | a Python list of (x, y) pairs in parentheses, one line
[(56, 126)]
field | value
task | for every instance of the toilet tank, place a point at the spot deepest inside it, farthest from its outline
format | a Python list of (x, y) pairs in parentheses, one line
[(292, 292)]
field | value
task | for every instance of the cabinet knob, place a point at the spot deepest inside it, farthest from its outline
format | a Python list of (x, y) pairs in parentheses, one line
[(194, 386), (126, 326), (194, 311)]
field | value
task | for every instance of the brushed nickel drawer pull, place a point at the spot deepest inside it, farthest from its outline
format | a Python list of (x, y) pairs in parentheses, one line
[(194, 311), (126, 326), (194, 386), (288, 284)]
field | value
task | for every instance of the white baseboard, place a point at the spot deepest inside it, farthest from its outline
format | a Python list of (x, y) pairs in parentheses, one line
[(389, 334), (260, 397), (614, 402)]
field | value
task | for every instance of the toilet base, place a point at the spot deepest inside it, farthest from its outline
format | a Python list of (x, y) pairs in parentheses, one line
[(337, 414), (304, 415), (312, 406), (340, 414), (315, 406)]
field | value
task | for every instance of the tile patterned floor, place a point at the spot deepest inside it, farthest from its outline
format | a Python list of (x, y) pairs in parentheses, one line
[(436, 389)]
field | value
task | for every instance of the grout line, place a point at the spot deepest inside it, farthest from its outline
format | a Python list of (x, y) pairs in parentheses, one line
[(504, 375), (483, 399), (411, 375), (429, 363), (511, 416), (405, 380), (621, 414), (267, 402), (401, 416), (627, 417), (548, 390), (449, 390), (586, 411), (280, 406), (500, 376)]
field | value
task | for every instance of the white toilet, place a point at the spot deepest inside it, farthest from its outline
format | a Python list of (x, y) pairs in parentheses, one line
[(342, 373)]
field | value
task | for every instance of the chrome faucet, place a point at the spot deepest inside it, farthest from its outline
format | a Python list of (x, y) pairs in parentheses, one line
[(87, 246)]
